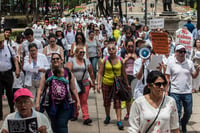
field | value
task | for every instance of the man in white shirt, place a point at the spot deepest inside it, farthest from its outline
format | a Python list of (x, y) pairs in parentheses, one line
[(37, 25), (29, 39), (7, 40), (180, 72), (6, 73)]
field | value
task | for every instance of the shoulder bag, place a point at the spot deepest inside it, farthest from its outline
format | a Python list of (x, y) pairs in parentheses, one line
[(80, 82), (120, 87)]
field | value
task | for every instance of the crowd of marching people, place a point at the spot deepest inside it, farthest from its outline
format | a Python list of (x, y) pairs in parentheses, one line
[(55, 74)]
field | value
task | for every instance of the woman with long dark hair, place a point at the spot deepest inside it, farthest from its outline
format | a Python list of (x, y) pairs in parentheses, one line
[(154, 112)]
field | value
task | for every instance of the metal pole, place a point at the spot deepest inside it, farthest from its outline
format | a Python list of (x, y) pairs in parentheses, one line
[(145, 17), (126, 9)]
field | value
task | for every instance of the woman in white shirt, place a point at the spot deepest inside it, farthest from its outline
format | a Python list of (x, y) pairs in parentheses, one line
[(53, 48), (35, 65), (154, 112)]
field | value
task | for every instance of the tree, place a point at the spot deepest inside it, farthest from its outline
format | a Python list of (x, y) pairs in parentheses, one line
[(105, 7)]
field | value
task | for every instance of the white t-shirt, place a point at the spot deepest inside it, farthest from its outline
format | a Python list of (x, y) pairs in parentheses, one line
[(26, 43), (70, 38), (180, 75), (138, 91), (142, 114)]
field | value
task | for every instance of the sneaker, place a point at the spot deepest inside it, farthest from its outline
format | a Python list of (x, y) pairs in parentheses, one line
[(74, 119), (126, 117), (87, 121), (120, 125), (107, 120)]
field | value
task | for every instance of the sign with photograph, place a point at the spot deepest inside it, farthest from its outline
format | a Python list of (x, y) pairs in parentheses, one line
[(28, 125)]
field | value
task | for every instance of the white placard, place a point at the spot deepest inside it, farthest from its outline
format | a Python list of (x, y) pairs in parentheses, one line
[(156, 23), (155, 62), (37, 34), (185, 38)]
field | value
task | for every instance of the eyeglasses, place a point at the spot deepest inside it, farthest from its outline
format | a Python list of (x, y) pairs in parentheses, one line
[(109, 49), (181, 51), (52, 41), (158, 84), (130, 46), (23, 102), (53, 59), (82, 52)]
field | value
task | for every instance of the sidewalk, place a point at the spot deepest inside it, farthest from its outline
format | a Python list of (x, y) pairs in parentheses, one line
[(97, 114)]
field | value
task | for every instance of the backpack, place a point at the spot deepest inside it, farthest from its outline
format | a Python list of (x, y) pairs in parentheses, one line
[(58, 90), (66, 32)]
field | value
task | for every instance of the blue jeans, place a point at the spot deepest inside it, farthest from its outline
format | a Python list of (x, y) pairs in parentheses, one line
[(184, 100), (93, 61), (59, 122)]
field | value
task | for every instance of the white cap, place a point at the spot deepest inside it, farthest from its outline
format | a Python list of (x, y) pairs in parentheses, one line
[(178, 47)]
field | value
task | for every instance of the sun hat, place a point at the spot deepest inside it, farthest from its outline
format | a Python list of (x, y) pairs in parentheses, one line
[(22, 92), (178, 47)]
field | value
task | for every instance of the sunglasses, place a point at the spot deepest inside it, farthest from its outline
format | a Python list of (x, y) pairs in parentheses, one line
[(53, 59), (109, 49), (130, 46), (158, 84), (79, 38), (82, 52), (52, 41), (181, 51)]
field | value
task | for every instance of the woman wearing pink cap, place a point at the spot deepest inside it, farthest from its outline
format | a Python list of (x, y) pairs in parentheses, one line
[(23, 99)]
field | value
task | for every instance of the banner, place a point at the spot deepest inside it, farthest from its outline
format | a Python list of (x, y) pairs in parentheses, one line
[(156, 23), (160, 42)]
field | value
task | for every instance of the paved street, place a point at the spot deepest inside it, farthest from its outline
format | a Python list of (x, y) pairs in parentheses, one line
[(96, 111)]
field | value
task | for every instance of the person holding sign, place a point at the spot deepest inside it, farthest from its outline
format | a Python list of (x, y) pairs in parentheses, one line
[(23, 99)]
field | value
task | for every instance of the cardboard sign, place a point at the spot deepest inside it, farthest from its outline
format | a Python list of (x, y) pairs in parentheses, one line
[(184, 37), (160, 42), (28, 125), (37, 34), (156, 23)]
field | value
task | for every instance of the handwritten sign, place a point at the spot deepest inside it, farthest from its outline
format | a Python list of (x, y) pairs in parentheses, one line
[(156, 23), (37, 34), (160, 42), (184, 37), (28, 125)]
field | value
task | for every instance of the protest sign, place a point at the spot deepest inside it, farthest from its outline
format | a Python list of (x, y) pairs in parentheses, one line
[(160, 42), (27, 125), (185, 38), (37, 34), (156, 23)]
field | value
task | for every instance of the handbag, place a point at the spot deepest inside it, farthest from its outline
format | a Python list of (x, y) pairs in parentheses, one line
[(80, 82), (156, 115), (120, 87), (12, 61)]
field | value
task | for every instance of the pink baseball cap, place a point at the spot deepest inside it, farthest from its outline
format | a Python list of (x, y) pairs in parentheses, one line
[(22, 92)]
